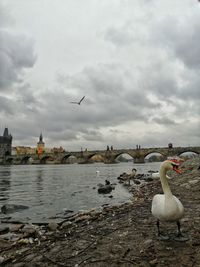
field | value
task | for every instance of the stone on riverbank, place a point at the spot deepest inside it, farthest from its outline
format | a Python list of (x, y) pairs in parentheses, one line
[(10, 208), (105, 189)]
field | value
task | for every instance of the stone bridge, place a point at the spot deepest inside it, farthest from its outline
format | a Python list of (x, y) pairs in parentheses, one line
[(107, 156)]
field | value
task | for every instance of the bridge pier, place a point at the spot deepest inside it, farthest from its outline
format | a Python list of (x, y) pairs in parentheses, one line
[(109, 157), (109, 161), (139, 160)]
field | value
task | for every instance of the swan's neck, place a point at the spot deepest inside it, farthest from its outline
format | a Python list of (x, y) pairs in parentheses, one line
[(164, 182)]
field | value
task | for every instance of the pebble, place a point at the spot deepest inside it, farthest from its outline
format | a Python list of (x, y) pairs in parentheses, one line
[(148, 242), (30, 257), (192, 182), (186, 185), (82, 217), (2, 259), (29, 229), (67, 224), (15, 227), (4, 229), (153, 262), (24, 241), (52, 226), (20, 264), (10, 236), (115, 249)]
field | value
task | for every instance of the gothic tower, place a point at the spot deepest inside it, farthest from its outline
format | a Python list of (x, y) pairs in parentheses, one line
[(40, 145), (5, 144)]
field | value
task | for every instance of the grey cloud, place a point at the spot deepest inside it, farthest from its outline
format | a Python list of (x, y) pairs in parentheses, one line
[(5, 18), (164, 121), (6, 105), (119, 37), (181, 38), (92, 135), (187, 47), (22, 103), (190, 89), (26, 97), (16, 54), (189, 127), (179, 134)]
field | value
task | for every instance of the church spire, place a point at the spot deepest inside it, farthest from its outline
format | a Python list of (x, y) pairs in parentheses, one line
[(5, 134), (40, 145), (41, 137)]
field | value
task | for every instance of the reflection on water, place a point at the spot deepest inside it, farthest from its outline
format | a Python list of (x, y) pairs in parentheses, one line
[(4, 184), (51, 189), (39, 185)]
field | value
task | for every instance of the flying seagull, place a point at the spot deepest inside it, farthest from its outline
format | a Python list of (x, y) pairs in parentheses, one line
[(79, 101)]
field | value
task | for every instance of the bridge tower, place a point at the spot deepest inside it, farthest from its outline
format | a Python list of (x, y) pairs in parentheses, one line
[(40, 145), (5, 144)]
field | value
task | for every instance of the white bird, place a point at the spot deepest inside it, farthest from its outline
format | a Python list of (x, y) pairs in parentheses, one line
[(167, 207), (78, 102), (157, 175)]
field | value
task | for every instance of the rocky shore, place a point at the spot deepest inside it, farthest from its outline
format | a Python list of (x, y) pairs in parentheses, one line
[(122, 235)]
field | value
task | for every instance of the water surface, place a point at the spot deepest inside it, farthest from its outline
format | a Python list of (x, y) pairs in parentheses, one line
[(51, 189)]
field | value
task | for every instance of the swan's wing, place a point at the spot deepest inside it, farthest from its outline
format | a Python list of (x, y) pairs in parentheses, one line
[(158, 206)]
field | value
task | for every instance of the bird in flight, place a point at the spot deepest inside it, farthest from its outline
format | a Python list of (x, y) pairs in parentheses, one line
[(78, 102)]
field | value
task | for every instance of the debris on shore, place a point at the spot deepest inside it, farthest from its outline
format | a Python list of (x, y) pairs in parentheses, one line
[(121, 235)]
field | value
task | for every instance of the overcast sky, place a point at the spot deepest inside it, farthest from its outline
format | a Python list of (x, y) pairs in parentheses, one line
[(136, 61)]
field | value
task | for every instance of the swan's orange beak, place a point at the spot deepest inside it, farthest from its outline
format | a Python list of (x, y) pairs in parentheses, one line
[(176, 163), (176, 169)]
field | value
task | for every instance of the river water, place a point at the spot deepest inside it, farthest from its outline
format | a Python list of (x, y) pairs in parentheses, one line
[(50, 190)]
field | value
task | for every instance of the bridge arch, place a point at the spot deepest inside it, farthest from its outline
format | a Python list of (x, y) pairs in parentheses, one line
[(154, 156), (188, 154), (7, 153), (68, 159), (25, 159), (9, 160), (95, 157), (44, 159), (123, 157)]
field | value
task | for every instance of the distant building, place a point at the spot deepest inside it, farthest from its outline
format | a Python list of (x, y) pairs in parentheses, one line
[(57, 150), (170, 145), (40, 145), (5, 144), (21, 150)]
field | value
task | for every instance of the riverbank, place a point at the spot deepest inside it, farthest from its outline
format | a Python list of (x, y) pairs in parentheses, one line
[(122, 235)]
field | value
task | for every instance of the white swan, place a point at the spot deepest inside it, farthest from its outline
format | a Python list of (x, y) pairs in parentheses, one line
[(167, 207)]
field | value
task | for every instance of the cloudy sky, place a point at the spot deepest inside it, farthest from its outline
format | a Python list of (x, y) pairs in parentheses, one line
[(136, 61)]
